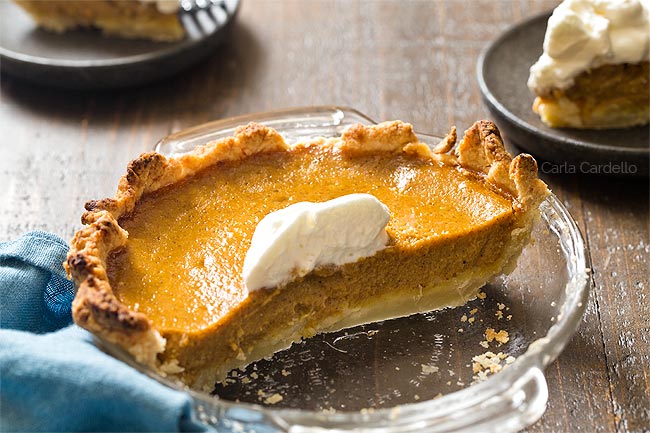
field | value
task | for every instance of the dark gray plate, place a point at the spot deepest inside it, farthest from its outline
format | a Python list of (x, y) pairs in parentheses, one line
[(503, 69), (84, 59)]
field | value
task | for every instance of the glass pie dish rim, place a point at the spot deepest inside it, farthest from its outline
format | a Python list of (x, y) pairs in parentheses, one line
[(511, 399)]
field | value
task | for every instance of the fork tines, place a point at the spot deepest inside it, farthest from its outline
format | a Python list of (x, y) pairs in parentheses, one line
[(202, 17)]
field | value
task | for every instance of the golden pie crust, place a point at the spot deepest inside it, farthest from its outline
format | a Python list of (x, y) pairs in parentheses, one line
[(479, 162)]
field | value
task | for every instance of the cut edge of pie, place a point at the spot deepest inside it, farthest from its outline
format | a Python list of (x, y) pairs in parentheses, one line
[(96, 308), (609, 96)]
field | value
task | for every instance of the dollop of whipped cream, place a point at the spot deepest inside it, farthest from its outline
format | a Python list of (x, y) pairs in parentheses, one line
[(165, 6), (291, 242), (586, 34)]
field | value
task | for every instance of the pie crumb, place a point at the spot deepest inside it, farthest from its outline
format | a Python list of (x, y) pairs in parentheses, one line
[(428, 369), (481, 295), (275, 398), (489, 363), (501, 336)]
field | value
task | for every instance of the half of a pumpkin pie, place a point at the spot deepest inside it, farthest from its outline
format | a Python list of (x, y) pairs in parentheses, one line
[(163, 269)]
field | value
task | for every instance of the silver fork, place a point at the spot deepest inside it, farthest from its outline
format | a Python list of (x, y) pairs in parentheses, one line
[(202, 17)]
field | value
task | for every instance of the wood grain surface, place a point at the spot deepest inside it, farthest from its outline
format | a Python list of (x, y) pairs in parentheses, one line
[(410, 60)]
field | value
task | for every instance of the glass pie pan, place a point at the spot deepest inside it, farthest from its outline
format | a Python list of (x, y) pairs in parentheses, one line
[(428, 372)]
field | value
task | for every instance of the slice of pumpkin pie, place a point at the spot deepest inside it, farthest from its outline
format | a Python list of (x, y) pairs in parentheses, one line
[(594, 73), (224, 255), (142, 19)]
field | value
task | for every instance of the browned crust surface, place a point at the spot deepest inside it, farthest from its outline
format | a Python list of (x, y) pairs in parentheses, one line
[(97, 309)]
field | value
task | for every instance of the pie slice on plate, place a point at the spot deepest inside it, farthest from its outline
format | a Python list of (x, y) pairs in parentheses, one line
[(159, 268), (142, 19), (594, 71)]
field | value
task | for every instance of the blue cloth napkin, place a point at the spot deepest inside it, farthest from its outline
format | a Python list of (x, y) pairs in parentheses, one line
[(52, 377)]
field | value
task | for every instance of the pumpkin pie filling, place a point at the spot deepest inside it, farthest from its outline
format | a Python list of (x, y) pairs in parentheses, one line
[(169, 262), (183, 264)]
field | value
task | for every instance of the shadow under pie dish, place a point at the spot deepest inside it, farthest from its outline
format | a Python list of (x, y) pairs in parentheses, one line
[(158, 267)]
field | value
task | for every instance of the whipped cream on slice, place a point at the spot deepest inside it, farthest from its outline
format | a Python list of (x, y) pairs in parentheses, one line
[(586, 34), (291, 242)]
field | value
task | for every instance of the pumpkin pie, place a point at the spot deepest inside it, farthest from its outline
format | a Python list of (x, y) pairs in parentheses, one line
[(594, 72), (158, 267), (142, 19)]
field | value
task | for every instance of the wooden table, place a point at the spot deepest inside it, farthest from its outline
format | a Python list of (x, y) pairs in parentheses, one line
[(410, 60)]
